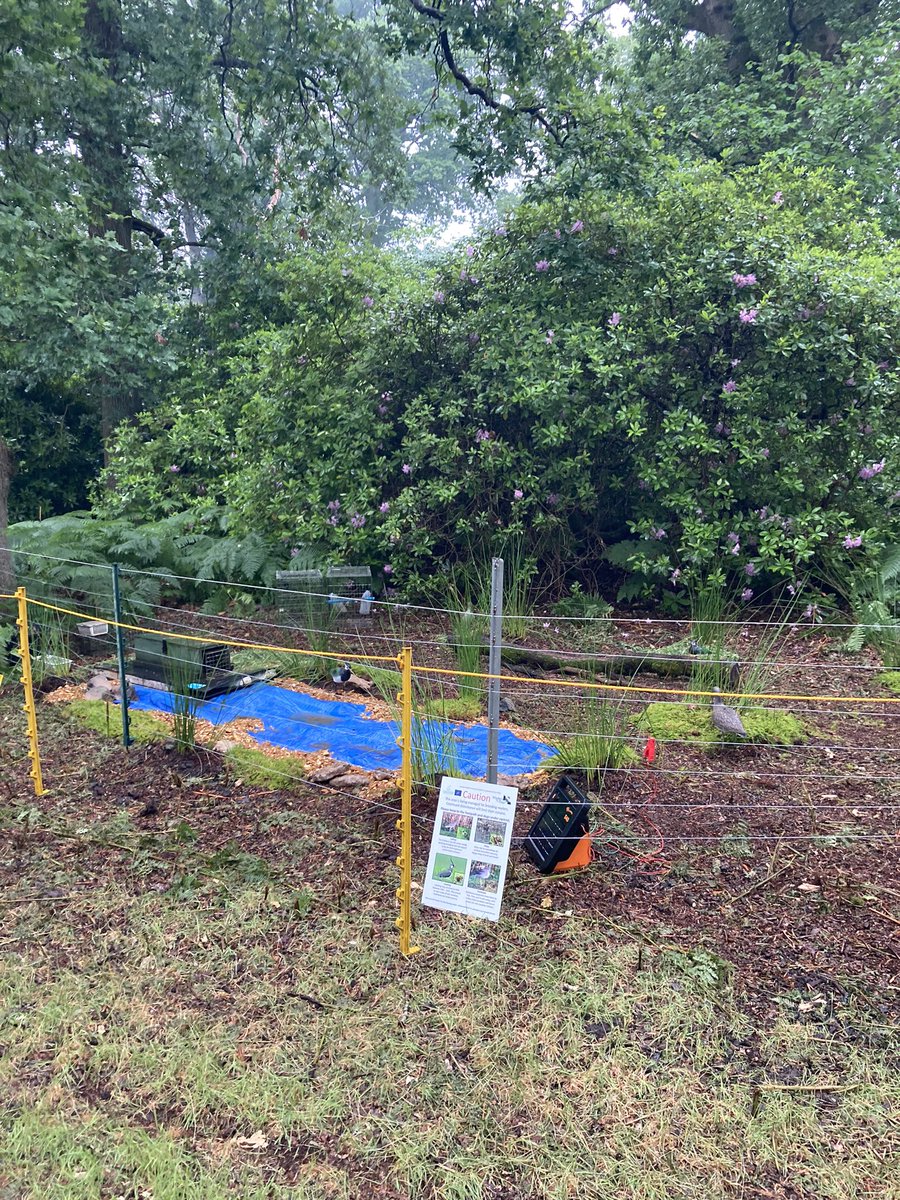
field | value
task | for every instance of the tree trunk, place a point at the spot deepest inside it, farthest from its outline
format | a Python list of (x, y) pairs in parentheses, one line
[(100, 138), (7, 567), (808, 28)]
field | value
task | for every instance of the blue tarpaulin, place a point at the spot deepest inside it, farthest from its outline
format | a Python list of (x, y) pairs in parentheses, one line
[(300, 722)]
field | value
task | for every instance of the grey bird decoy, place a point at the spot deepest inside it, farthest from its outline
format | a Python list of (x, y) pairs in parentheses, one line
[(734, 675), (726, 719)]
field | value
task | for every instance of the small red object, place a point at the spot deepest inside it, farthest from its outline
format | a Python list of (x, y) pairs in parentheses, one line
[(650, 750)]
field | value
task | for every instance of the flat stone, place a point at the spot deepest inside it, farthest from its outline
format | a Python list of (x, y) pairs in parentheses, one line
[(507, 705), (349, 781), (328, 772)]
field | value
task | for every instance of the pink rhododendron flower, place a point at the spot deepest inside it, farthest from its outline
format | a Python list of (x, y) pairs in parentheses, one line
[(871, 472)]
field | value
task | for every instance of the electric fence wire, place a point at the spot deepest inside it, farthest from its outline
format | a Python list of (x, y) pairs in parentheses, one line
[(566, 656), (591, 690), (575, 735), (403, 605)]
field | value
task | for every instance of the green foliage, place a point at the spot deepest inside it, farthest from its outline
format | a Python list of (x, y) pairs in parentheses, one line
[(434, 751), (654, 415), (579, 603), (872, 591), (106, 719), (9, 641), (183, 550), (676, 722), (58, 440), (467, 636), (765, 91), (890, 679), (597, 743), (182, 682)]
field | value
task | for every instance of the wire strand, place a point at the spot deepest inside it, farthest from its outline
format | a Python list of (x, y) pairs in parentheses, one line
[(403, 605)]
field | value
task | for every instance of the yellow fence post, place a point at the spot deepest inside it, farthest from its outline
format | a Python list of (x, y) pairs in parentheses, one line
[(404, 858), (28, 706)]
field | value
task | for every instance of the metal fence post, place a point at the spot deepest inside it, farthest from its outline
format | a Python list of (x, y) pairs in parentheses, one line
[(120, 654), (404, 858), (496, 636), (27, 683)]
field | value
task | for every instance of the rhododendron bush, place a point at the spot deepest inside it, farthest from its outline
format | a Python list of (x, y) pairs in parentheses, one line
[(705, 375)]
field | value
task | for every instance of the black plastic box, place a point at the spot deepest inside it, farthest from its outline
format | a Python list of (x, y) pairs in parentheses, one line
[(564, 818)]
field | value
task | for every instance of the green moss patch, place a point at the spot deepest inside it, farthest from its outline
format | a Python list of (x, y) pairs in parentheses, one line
[(676, 721), (107, 719), (263, 770), (463, 709), (890, 680)]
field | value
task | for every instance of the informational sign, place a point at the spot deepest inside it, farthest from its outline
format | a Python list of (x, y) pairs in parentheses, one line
[(470, 847)]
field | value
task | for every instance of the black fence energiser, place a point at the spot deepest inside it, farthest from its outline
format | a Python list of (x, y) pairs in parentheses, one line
[(559, 838)]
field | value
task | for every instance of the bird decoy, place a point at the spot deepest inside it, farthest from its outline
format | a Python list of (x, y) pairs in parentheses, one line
[(696, 648), (342, 674), (726, 719), (734, 675)]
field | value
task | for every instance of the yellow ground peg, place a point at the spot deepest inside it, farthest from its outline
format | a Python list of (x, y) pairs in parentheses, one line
[(34, 753)]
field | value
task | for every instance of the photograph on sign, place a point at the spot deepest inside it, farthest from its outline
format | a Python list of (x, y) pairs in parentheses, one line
[(470, 847)]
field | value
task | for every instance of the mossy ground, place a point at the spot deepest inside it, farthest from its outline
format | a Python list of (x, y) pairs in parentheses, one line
[(463, 708), (677, 721), (107, 719), (260, 769)]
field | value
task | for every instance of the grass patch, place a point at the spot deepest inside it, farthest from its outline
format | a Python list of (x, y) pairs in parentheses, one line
[(184, 1019), (595, 744), (462, 708), (675, 721), (107, 719), (134, 1066), (260, 769), (890, 679)]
